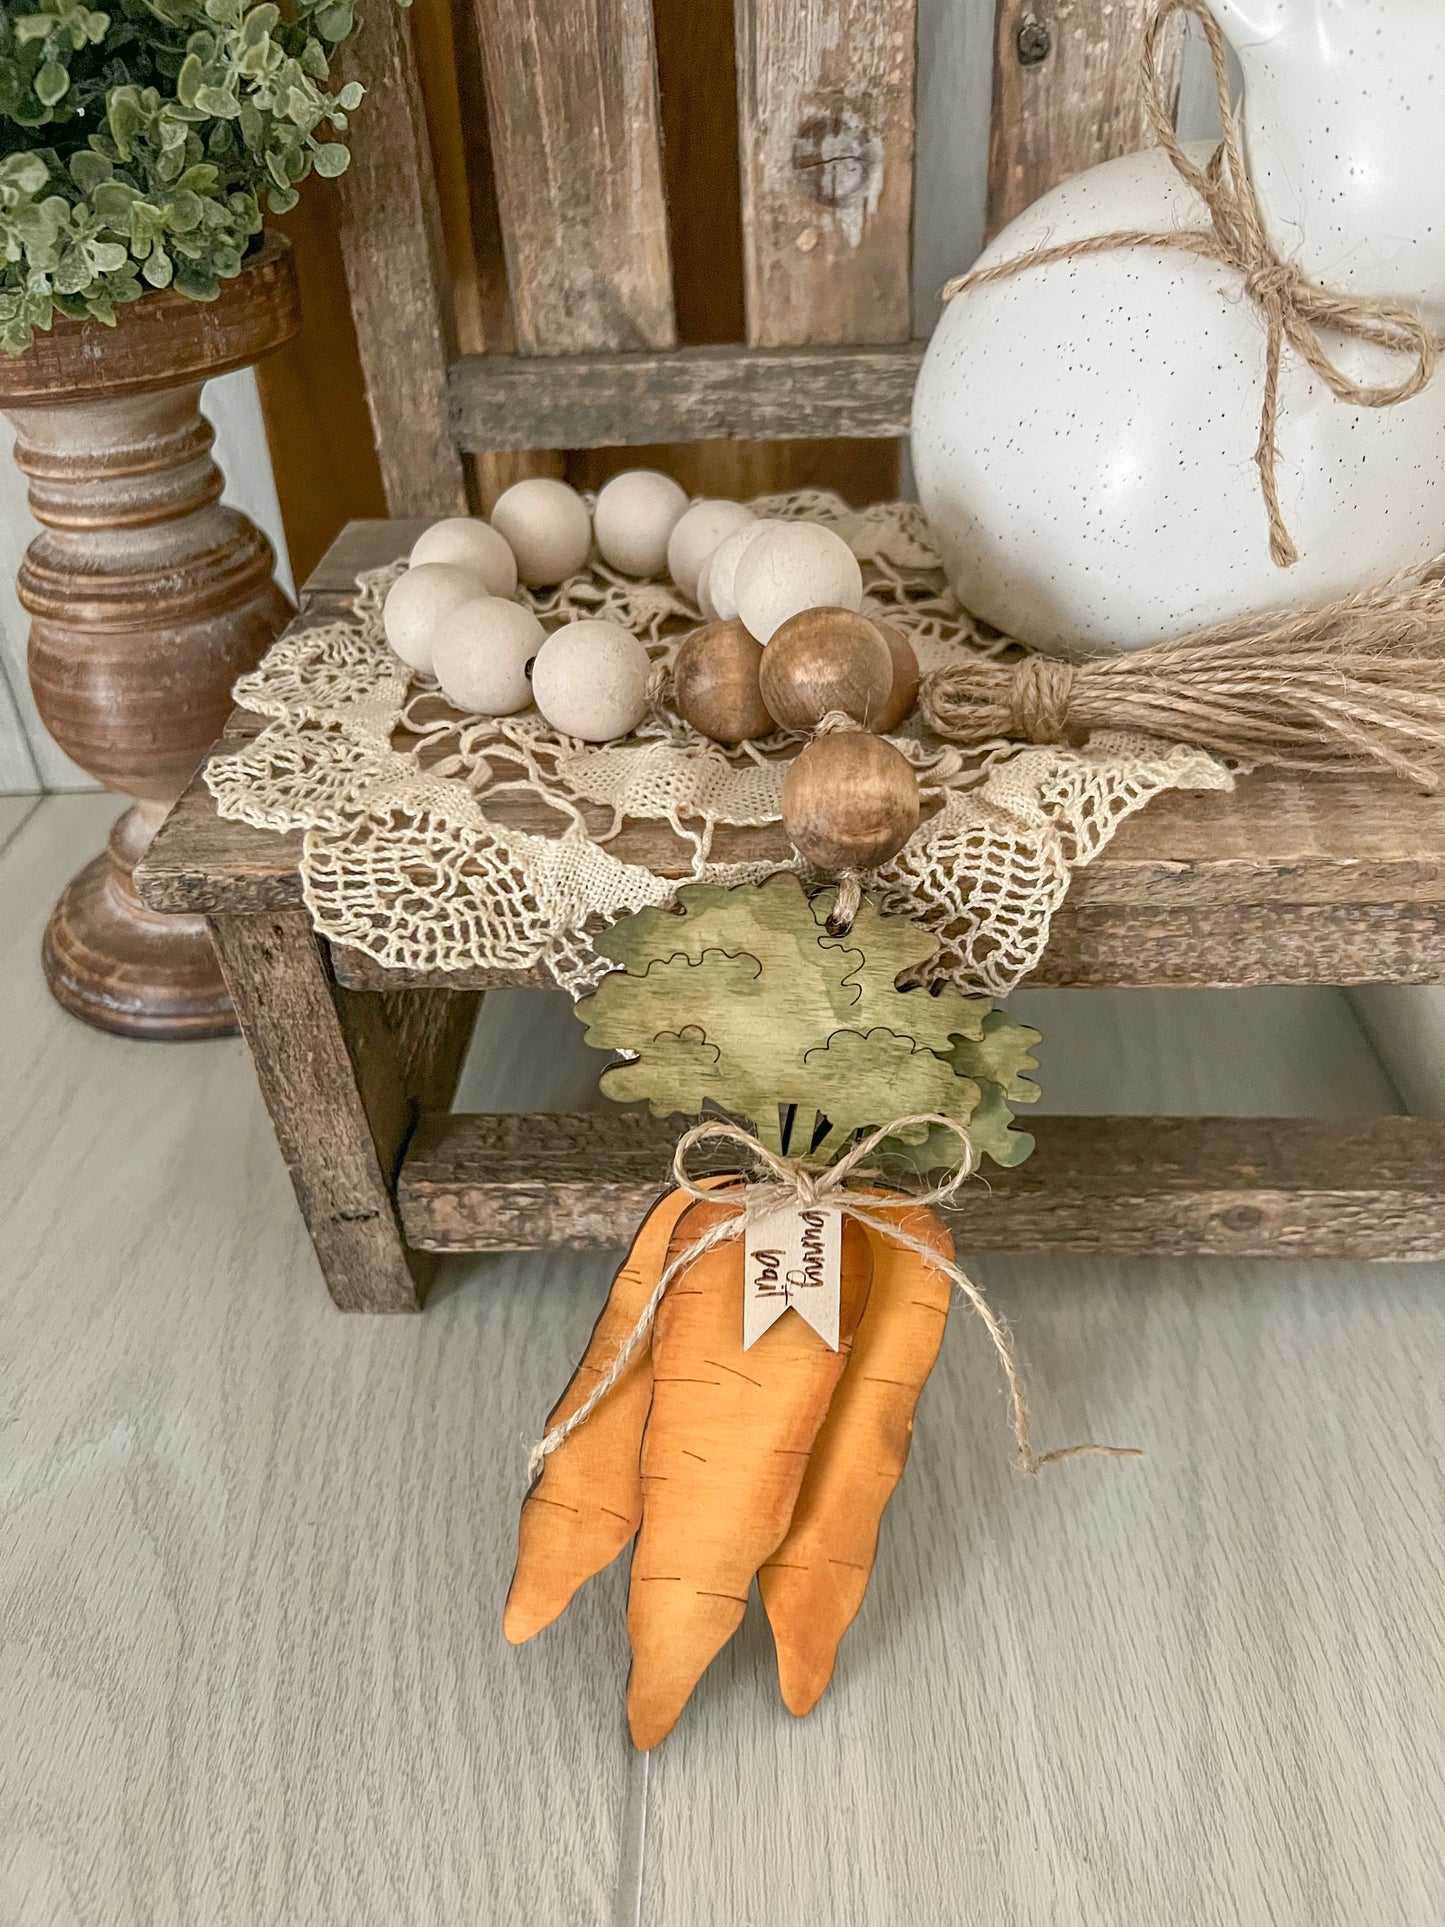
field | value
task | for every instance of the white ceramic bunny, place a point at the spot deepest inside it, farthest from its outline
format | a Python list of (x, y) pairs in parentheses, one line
[(1084, 433)]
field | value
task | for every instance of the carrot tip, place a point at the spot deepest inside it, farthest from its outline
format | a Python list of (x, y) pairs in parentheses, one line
[(801, 1693), (523, 1620), (647, 1727)]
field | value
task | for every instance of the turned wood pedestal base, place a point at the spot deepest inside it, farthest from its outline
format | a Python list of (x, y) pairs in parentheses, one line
[(147, 599), (123, 967)]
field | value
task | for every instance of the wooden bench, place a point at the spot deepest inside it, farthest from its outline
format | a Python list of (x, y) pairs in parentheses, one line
[(1287, 881), (590, 297)]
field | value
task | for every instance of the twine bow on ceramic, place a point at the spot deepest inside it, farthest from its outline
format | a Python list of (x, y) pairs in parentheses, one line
[(794, 1181), (1295, 309), (1358, 681)]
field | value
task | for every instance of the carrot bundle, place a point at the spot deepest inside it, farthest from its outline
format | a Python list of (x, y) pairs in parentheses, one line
[(774, 1463)]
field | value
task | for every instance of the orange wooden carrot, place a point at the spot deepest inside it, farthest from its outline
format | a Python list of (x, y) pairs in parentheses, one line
[(813, 1585), (726, 1444), (587, 1502)]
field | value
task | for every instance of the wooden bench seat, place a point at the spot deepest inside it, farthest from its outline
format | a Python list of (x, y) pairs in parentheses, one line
[(1287, 880)]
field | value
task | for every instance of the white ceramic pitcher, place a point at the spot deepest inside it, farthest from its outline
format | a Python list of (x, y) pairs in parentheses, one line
[(1084, 433)]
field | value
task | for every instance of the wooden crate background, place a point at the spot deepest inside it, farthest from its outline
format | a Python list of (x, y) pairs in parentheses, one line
[(575, 177)]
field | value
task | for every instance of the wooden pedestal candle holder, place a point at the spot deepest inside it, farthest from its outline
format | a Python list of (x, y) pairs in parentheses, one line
[(147, 599)]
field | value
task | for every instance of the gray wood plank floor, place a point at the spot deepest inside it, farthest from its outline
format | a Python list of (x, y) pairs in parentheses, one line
[(13, 812), (254, 1552)]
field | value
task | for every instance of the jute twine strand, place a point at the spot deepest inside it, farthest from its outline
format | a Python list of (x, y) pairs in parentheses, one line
[(793, 1181), (1295, 308), (1357, 682)]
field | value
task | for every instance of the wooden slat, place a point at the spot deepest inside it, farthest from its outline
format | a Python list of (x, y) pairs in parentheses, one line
[(697, 75), (1122, 1187), (461, 173), (451, 73), (700, 394), (1233, 947), (1277, 841), (313, 394), (360, 545), (344, 1079), (391, 242), (1282, 883), (697, 82), (1078, 104), (576, 150), (825, 111)]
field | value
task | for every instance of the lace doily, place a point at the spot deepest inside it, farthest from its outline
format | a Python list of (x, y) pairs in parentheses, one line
[(434, 841)]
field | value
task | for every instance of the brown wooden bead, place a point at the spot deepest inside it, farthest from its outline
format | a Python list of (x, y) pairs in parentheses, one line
[(822, 660), (715, 683), (906, 678), (850, 801)]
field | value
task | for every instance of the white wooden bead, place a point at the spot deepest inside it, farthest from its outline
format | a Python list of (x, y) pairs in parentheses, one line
[(704, 590), (723, 563), (791, 567), (416, 603), (472, 544), (590, 680), (697, 534), (548, 527), (636, 512), (480, 654)]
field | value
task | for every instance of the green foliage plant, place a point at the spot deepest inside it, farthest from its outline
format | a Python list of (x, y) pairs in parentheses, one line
[(741, 1001), (139, 144)]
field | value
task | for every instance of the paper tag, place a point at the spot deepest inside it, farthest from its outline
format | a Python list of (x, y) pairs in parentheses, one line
[(793, 1256)]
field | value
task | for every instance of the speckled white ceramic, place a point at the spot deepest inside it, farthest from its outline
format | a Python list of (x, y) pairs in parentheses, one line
[(1083, 434)]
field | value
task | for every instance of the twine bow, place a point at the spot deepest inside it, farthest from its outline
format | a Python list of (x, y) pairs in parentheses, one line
[(1295, 308), (794, 1181)]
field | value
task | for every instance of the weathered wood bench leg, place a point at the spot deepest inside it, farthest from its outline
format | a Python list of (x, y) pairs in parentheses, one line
[(345, 1076)]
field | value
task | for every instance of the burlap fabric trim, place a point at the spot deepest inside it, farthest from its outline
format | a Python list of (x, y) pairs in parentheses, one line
[(412, 849)]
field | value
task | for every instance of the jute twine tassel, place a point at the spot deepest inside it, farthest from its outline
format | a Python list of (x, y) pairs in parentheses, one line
[(1360, 681), (1295, 308)]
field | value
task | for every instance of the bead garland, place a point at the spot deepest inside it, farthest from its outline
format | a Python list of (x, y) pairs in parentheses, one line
[(793, 650)]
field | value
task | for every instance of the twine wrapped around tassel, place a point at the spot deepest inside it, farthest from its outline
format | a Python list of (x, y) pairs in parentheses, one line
[(1357, 682)]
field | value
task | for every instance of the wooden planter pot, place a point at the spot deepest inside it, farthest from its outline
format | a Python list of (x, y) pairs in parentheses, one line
[(147, 599)]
